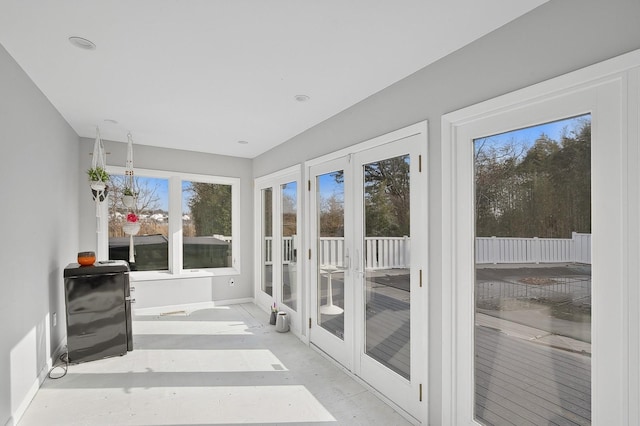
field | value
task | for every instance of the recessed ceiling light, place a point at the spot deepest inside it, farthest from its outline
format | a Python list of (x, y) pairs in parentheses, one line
[(110, 121), (82, 43), (243, 142), (301, 98)]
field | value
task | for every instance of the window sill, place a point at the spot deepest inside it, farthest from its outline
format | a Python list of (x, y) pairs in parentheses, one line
[(191, 273)]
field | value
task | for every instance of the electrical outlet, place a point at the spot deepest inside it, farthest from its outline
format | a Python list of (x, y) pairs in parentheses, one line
[(232, 282), (55, 319)]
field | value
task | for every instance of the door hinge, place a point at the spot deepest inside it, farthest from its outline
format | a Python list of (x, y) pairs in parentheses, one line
[(309, 185), (420, 277), (420, 392), (420, 163), (309, 254), (309, 322)]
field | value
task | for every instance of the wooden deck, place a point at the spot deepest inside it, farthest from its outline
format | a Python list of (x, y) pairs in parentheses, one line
[(388, 330), (519, 382), (387, 314)]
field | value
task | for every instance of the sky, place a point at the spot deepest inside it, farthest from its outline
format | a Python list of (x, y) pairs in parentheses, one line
[(528, 135), (328, 186)]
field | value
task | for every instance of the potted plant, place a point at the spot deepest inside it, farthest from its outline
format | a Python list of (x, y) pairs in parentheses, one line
[(128, 197), (98, 178), (131, 226)]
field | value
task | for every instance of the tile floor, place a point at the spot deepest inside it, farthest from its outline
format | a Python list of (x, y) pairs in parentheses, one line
[(223, 365)]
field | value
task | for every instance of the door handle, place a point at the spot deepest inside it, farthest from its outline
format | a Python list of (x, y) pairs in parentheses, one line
[(347, 260), (357, 261)]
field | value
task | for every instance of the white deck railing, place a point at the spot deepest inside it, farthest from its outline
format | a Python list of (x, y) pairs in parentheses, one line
[(395, 252), (534, 250), (381, 252)]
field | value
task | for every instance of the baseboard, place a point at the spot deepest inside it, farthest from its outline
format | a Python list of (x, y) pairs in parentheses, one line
[(173, 309), (233, 301), (188, 307), (35, 386)]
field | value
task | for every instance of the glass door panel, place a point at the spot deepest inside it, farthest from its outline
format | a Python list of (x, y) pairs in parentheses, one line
[(330, 252), (267, 242), (362, 277), (391, 308), (533, 275), (331, 289), (387, 270), (289, 238)]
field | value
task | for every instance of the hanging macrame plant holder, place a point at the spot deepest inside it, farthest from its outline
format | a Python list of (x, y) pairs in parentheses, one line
[(98, 187), (131, 227)]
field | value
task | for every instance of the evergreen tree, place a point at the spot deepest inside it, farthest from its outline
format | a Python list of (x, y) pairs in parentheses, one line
[(543, 192), (210, 207)]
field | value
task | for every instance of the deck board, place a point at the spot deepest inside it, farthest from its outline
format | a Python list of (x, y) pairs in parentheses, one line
[(501, 388), (542, 372), (532, 379), (534, 385), (517, 357), (517, 381), (570, 359)]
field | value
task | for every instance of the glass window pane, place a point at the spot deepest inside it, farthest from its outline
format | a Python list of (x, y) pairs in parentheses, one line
[(206, 225), (533, 275), (151, 206), (267, 241), (387, 263), (330, 216), (290, 242)]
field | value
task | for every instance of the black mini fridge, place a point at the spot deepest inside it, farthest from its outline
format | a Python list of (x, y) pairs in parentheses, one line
[(98, 308)]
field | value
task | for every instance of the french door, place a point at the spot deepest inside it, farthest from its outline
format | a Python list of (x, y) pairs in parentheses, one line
[(521, 343), (368, 309), (332, 292), (278, 242)]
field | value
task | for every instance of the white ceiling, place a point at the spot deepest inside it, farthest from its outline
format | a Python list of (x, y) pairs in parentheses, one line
[(202, 75)]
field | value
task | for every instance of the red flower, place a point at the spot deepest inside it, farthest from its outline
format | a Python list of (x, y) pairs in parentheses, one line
[(131, 217)]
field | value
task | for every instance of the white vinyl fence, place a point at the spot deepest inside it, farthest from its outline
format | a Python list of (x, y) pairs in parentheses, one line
[(395, 252), (381, 252), (534, 250)]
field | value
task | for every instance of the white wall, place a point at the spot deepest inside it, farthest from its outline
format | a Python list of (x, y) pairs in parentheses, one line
[(192, 290), (556, 38), (39, 220)]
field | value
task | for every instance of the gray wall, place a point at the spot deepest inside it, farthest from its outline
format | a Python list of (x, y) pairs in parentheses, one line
[(191, 290), (39, 219), (554, 39)]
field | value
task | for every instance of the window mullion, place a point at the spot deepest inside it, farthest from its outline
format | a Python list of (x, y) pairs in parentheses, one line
[(175, 225)]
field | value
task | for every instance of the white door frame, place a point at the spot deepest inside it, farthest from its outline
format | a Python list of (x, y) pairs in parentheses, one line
[(340, 349), (602, 90), (379, 376), (273, 181), (419, 261)]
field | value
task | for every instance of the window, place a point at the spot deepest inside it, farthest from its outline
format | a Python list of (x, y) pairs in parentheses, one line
[(536, 186), (187, 223), (290, 243), (151, 247), (533, 269), (206, 225), (267, 241)]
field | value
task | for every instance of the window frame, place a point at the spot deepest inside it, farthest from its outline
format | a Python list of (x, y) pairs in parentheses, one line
[(175, 236), (600, 90)]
